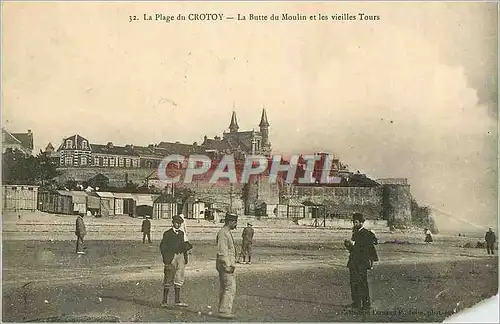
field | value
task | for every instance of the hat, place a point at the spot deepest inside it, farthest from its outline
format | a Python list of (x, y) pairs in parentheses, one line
[(177, 219), (231, 217), (249, 224), (358, 217)]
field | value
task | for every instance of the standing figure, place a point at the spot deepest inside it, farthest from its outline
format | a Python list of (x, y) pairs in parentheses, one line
[(246, 248), (225, 264), (80, 233), (174, 256), (490, 239), (146, 230), (428, 236), (362, 254)]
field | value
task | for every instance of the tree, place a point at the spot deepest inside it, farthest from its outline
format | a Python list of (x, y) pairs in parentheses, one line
[(18, 168)]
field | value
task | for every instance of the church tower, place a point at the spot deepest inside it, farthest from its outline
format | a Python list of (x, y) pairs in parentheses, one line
[(233, 126), (264, 129)]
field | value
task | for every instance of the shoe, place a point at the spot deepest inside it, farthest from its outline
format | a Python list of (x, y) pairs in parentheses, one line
[(238, 261), (80, 252), (225, 316), (249, 262), (179, 304), (164, 305)]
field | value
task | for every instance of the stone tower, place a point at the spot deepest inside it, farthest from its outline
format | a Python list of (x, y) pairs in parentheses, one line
[(264, 129), (233, 126)]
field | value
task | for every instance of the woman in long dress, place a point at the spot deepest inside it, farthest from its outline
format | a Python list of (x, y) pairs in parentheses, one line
[(428, 236)]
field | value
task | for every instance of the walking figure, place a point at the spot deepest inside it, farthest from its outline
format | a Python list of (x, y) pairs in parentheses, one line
[(80, 233), (490, 239), (175, 258), (428, 236), (246, 248), (225, 264), (146, 230), (362, 254)]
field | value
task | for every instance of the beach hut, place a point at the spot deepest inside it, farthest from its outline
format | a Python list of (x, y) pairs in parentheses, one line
[(107, 203), (192, 208), (63, 202), (20, 197), (47, 201), (165, 206), (125, 202)]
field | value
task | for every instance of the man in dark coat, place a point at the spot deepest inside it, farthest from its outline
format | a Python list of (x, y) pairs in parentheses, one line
[(146, 230), (174, 254), (80, 233), (490, 239), (362, 254)]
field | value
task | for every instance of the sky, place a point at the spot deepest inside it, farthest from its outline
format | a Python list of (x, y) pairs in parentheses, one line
[(413, 94)]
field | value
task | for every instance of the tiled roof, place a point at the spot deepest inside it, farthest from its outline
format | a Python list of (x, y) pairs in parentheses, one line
[(26, 139), (216, 144), (116, 150), (8, 138), (179, 148)]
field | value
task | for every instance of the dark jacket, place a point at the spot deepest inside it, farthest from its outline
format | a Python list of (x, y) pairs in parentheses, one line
[(80, 227), (490, 237), (363, 252), (172, 244), (146, 226)]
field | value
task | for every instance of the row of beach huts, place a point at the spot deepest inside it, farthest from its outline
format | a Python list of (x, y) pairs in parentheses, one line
[(103, 204)]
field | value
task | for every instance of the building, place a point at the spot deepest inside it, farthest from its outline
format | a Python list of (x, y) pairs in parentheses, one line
[(20, 197), (17, 141), (241, 143)]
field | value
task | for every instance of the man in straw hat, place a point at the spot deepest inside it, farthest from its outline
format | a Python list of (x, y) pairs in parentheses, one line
[(174, 253), (362, 253), (225, 265)]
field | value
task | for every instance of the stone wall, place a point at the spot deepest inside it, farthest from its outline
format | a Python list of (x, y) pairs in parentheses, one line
[(397, 204), (341, 202), (116, 176)]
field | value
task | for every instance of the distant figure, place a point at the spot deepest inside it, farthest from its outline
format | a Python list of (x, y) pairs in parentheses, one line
[(175, 258), (225, 264), (183, 227), (362, 254), (428, 236), (80, 233), (146, 230), (490, 239), (246, 248)]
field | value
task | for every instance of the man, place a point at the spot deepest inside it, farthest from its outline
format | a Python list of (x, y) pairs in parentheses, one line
[(225, 265), (174, 256), (246, 247), (80, 233), (490, 239), (362, 254), (146, 230)]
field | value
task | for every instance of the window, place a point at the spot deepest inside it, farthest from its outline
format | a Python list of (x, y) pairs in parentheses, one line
[(96, 161), (68, 160), (83, 160), (85, 145), (111, 161), (127, 163), (120, 162), (105, 161), (69, 144), (135, 163)]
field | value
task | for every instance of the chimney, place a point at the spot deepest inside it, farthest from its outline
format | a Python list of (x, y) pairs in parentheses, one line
[(195, 144), (109, 145), (29, 132), (177, 142)]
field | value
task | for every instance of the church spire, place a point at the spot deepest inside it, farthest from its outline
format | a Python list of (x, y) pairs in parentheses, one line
[(233, 127), (263, 119)]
